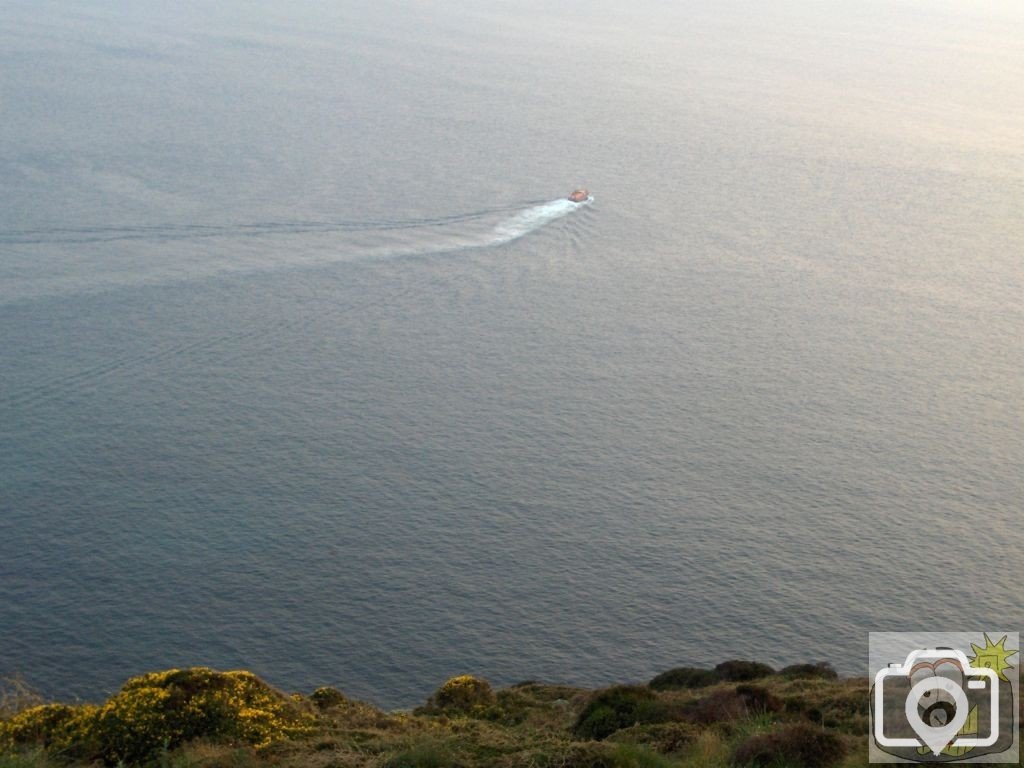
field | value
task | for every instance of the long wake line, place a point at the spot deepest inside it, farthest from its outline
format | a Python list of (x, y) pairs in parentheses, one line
[(522, 221), (65, 261)]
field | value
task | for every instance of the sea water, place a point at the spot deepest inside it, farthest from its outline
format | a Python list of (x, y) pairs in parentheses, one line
[(307, 367)]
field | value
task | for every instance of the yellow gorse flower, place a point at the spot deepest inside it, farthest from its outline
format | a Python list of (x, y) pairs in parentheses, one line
[(160, 710)]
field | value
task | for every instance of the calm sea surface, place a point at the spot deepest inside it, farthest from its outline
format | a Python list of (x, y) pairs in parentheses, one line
[(305, 368)]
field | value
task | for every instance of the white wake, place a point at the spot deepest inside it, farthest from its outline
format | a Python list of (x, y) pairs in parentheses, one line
[(61, 261), (532, 219)]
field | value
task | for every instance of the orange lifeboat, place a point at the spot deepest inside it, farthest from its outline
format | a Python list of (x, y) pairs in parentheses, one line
[(579, 196)]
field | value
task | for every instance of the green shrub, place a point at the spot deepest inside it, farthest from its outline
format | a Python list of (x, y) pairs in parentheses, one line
[(734, 671), (619, 707), (683, 677), (822, 670), (464, 693), (738, 671), (796, 746)]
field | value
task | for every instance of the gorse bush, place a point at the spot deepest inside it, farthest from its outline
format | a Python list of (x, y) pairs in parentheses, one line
[(164, 709), (464, 692), (46, 725), (160, 711), (326, 698)]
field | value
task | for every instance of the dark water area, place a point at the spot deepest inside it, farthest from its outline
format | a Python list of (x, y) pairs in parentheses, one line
[(307, 367)]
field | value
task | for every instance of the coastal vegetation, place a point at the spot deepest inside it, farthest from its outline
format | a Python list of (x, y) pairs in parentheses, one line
[(738, 714)]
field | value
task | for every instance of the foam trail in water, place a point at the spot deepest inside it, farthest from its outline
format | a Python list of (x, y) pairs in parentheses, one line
[(532, 219), (111, 257)]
